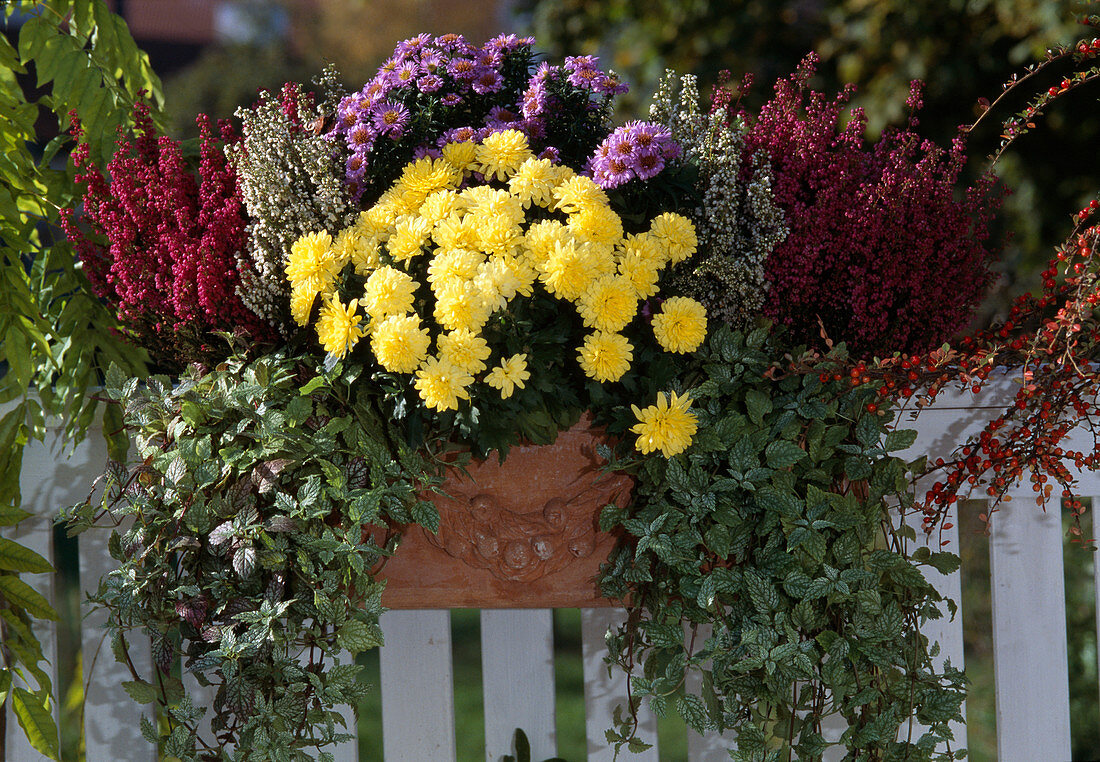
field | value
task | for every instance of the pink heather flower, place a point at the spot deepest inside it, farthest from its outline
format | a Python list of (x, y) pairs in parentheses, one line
[(170, 269), (881, 249)]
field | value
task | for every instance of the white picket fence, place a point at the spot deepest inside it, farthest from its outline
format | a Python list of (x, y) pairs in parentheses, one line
[(1028, 628)]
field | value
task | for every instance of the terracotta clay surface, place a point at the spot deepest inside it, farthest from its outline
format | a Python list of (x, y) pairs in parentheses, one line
[(518, 535)]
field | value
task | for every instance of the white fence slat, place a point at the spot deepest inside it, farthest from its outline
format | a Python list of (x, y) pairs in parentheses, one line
[(1029, 633), (602, 693), (711, 746), (349, 751), (51, 479), (948, 630), (517, 665), (112, 721), (203, 698), (417, 683)]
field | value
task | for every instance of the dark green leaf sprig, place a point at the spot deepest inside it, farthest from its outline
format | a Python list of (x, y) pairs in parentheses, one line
[(251, 529), (774, 543)]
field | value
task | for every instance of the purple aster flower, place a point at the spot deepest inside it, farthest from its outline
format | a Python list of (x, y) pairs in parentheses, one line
[(412, 45), (506, 43), (429, 83), (488, 81), (356, 166), (407, 72), (463, 69), (610, 85), (648, 164), (459, 135), (534, 99), (501, 117), (391, 118), (430, 152), (431, 60), (489, 57), (451, 99), (532, 128), (551, 153), (374, 90), (361, 137), (347, 113), (451, 42)]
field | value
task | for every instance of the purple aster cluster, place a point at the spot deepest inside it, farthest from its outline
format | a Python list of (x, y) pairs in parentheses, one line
[(436, 90), (637, 150)]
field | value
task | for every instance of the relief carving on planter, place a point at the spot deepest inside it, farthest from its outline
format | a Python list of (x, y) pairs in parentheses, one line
[(523, 546)]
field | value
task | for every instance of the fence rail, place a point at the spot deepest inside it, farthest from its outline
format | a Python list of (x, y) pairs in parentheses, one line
[(1028, 630)]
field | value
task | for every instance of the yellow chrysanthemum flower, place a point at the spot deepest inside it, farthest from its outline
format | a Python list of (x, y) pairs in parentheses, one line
[(460, 304), (399, 343), (388, 291), (609, 304), (510, 374), (641, 272), (645, 246), (454, 263), (681, 325), (463, 349), (311, 265), (667, 426), (567, 271), (502, 153), (606, 356), (442, 385), (343, 248), (486, 202), (541, 237), (338, 326), (579, 192), (456, 231), (533, 183), (425, 176), (439, 205), (498, 281), (498, 235), (410, 234), (461, 156), (597, 224), (676, 234), (301, 302), (365, 254)]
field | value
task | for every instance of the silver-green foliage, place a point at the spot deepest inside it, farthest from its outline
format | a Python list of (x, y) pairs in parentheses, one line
[(778, 528), (737, 220), (257, 512), (55, 334)]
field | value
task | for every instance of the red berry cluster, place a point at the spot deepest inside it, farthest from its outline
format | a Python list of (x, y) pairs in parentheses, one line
[(163, 245)]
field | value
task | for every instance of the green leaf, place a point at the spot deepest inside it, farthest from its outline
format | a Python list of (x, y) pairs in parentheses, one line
[(944, 563), (34, 717), (25, 597), (357, 636), (17, 558), (10, 515), (758, 405), (140, 691), (782, 503), (900, 440), (783, 453)]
